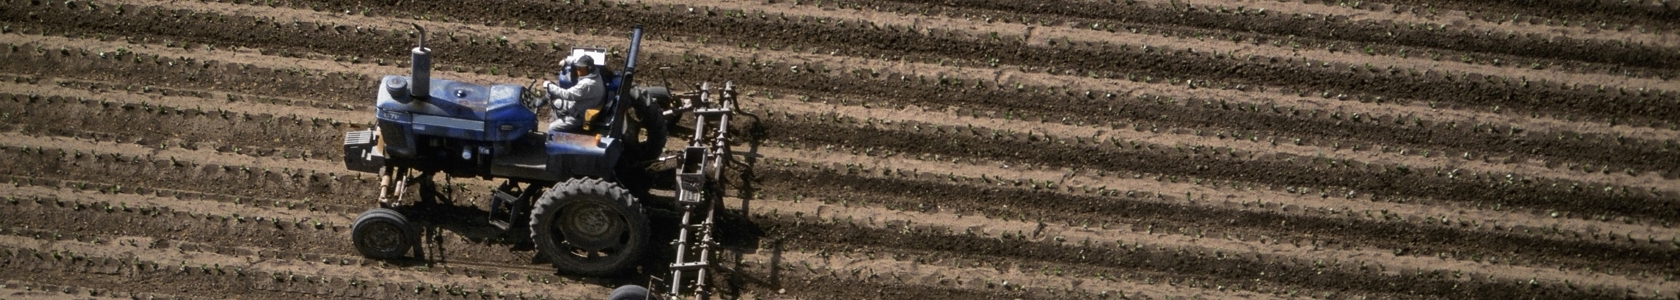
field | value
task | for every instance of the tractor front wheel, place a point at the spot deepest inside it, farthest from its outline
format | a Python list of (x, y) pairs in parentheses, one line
[(589, 227), (382, 233)]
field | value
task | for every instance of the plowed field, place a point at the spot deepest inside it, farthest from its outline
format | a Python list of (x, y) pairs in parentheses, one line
[(889, 149)]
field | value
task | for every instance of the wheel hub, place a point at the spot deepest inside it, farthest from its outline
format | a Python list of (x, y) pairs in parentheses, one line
[(384, 237), (591, 227)]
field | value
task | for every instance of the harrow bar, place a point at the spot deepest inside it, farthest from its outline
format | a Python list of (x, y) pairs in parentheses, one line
[(698, 175)]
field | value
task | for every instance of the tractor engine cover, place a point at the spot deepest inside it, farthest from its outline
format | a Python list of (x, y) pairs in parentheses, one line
[(455, 110)]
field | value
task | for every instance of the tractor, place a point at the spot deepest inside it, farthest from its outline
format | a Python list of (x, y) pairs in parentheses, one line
[(577, 191)]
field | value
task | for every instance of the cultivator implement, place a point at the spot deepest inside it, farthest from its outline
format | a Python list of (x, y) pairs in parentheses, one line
[(699, 171)]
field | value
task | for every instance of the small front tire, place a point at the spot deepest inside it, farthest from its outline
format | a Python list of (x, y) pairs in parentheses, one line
[(382, 233), (629, 292)]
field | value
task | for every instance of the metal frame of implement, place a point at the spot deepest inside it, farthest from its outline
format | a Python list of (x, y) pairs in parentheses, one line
[(701, 166)]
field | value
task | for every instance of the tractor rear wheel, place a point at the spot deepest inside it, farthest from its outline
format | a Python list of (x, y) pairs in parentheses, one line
[(646, 138), (382, 233), (650, 129), (590, 227)]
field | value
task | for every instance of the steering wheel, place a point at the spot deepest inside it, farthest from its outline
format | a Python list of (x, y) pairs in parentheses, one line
[(533, 97)]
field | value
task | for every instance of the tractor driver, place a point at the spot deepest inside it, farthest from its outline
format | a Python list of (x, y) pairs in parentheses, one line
[(571, 103)]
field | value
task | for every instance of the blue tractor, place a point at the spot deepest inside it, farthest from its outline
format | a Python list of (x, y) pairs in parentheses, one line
[(575, 190)]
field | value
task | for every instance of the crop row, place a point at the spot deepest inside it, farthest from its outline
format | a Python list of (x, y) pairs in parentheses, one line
[(1311, 28), (1491, 135), (333, 150), (353, 196), (247, 228), (837, 271), (1201, 268), (1000, 84), (1397, 181), (343, 193), (1133, 59), (142, 270), (113, 205), (1640, 12), (1398, 131), (1276, 249), (90, 170), (1221, 44), (189, 96), (1172, 190), (69, 155), (261, 135), (1261, 120), (861, 113), (1140, 208), (1186, 20)]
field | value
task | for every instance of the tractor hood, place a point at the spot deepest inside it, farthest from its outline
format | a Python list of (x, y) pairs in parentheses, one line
[(464, 110)]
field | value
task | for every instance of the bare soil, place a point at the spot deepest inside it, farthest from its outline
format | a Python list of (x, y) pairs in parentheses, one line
[(890, 149)]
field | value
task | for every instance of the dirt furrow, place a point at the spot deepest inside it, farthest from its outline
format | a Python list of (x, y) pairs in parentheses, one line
[(1330, 227), (1169, 136), (1213, 196), (1420, 111), (128, 97), (59, 291), (1313, 28), (353, 200), (1461, 20), (109, 167), (902, 67), (1160, 62), (260, 273), (355, 195), (189, 127), (1600, 13), (1288, 98), (1122, 234), (245, 103), (1047, 36), (1060, 152), (256, 228), (848, 266), (1195, 266)]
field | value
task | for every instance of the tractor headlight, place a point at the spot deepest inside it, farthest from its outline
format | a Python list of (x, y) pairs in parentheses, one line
[(507, 127)]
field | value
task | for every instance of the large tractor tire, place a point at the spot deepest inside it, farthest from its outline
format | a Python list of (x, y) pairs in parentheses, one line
[(589, 226), (650, 116), (382, 233), (647, 140)]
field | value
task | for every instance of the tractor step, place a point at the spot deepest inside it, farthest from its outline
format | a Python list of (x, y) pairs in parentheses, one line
[(504, 207)]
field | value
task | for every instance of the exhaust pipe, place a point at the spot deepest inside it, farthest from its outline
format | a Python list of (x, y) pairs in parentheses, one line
[(420, 78), (628, 80), (635, 46)]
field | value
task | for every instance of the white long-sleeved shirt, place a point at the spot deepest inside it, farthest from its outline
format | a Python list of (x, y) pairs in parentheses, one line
[(587, 93)]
